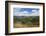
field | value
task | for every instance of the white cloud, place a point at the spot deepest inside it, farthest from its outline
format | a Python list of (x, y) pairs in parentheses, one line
[(34, 11), (25, 13), (35, 14)]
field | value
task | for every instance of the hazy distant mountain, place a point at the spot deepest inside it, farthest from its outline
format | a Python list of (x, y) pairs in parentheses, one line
[(26, 17)]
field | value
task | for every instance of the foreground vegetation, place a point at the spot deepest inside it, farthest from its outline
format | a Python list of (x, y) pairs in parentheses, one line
[(26, 21)]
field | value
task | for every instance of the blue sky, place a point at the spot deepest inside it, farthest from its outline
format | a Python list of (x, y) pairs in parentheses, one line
[(23, 11)]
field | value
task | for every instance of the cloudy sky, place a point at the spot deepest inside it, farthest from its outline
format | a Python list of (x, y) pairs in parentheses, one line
[(25, 12)]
